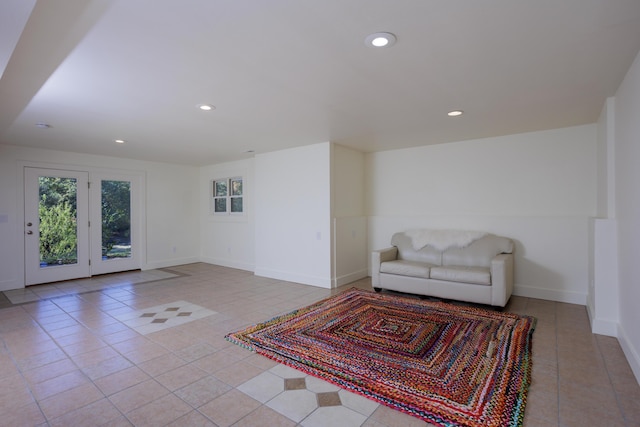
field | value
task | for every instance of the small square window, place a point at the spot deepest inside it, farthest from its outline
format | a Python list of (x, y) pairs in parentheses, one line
[(227, 196)]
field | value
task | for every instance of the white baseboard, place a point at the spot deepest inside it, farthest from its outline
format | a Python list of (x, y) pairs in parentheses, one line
[(550, 294), (601, 326), (169, 263), (631, 354), (8, 285), (223, 262), (351, 277), (282, 275), (604, 327), (321, 282)]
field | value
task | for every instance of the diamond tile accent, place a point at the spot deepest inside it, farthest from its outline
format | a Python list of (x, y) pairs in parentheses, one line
[(308, 400), (154, 319), (294, 384), (328, 399)]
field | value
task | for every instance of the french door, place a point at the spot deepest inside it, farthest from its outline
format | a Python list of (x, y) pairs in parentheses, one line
[(78, 225), (114, 223), (56, 225)]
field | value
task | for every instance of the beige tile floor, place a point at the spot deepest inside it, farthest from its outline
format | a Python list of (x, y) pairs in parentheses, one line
[(74, 357)]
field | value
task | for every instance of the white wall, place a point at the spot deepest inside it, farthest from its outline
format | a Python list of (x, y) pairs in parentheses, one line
[(296, 200), (603, 304), (603, 298), (171, 207), (348, 182), (227, 240), (349, 220), (172, 214), (627, 177), (538, 188), (606, 161), (292, 203)]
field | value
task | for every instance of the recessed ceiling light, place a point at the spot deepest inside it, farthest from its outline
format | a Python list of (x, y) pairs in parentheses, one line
[(455, 113), (43, 125), (380, 40), (119, 141), (206, 107)]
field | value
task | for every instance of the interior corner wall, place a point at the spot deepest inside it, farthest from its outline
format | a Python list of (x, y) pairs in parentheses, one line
[(292, 203), (227, 240), (606, 161), (350, 256), (603, 297), (538, 188), (348, 182), (172, 213), (170, 205), (627, 199)]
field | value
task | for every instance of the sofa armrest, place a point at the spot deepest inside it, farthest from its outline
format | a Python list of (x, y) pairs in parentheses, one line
[(501, 279), (377, 258)]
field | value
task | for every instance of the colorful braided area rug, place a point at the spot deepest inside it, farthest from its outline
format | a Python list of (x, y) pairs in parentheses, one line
[(447, 364)]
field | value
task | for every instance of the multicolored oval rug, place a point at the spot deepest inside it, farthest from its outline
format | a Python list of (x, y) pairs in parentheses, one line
[(450, 365)]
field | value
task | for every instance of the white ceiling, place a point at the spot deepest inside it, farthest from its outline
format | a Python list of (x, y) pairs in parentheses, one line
[(285, 73)]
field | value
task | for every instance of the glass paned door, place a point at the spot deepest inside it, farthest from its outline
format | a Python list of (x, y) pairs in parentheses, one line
[(74, 230), (116, 219), (56, 225), (115, 240)]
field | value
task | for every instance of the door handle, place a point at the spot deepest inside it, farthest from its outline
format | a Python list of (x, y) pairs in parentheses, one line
[(29, 224), (29, 232)]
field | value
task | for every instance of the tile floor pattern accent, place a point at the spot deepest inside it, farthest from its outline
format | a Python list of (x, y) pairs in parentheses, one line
[(160, 317), (306, 399), (67, 359)]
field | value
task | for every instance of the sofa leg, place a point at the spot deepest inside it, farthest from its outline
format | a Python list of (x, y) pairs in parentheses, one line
[(377, 289)]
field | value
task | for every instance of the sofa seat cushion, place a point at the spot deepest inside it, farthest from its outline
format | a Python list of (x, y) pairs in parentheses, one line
[(406, 268), (458, 273)]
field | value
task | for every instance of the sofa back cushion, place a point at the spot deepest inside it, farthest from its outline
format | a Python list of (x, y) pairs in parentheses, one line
[(479, 253), (406, 251)]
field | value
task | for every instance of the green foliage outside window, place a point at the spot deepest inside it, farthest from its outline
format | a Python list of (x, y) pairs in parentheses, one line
[(228, 196), (116, 218), (57, 211), (58, 227)]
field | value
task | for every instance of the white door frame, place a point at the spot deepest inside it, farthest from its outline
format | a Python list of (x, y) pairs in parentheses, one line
[(98, 265), (34, 272), (140, 205)]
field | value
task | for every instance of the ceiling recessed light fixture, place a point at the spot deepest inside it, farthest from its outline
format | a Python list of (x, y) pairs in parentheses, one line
[(455, 113), (119, 141), (380, 40), (206, 107)]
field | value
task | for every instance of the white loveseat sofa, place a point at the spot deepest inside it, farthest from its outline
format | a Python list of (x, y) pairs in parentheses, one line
[(451, 264)]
